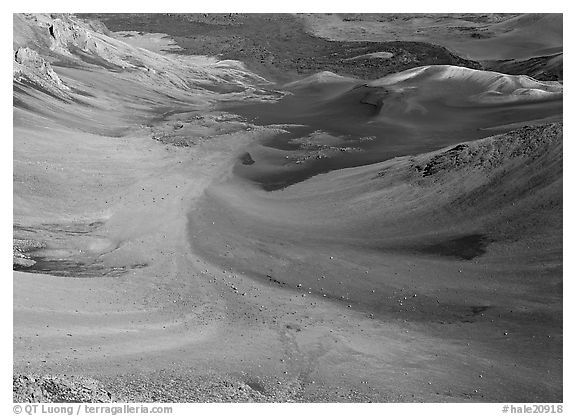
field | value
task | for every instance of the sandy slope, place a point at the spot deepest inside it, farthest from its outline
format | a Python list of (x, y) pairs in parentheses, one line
[(345, 287), (461, 246), (474, 86)]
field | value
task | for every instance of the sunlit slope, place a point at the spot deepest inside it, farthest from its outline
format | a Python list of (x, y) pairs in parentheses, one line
[(83, 106), (496, 200)]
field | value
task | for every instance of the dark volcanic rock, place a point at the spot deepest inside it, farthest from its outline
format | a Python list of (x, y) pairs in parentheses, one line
[(278, 45), (246, 159)]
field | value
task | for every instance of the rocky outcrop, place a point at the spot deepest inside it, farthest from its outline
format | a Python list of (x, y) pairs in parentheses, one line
[(29, 66), (525, 146), (19, 249), (30, 59), (58, 389), (70, 37), (158, 387), (66, 38)]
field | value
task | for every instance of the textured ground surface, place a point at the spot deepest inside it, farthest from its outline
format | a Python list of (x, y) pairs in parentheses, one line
[(149, 266)]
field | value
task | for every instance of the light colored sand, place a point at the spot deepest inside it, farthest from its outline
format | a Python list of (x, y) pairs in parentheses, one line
[(374, 55), (156, 42)]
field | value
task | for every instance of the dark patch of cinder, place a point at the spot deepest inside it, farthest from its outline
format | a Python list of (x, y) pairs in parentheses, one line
[(273, 280), (466, 247), (293, 327), (18, 103), (95, 60), (17, 89), (70, 228), (223, 88), (21, 229), (478, 309), (246, 159), (64, 268), (27, 82), (65, 62), (256, 385), (473, 315), (20, 267), (478, 35), (450, 157), (82, 92), (76, 228), (75, 269)]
